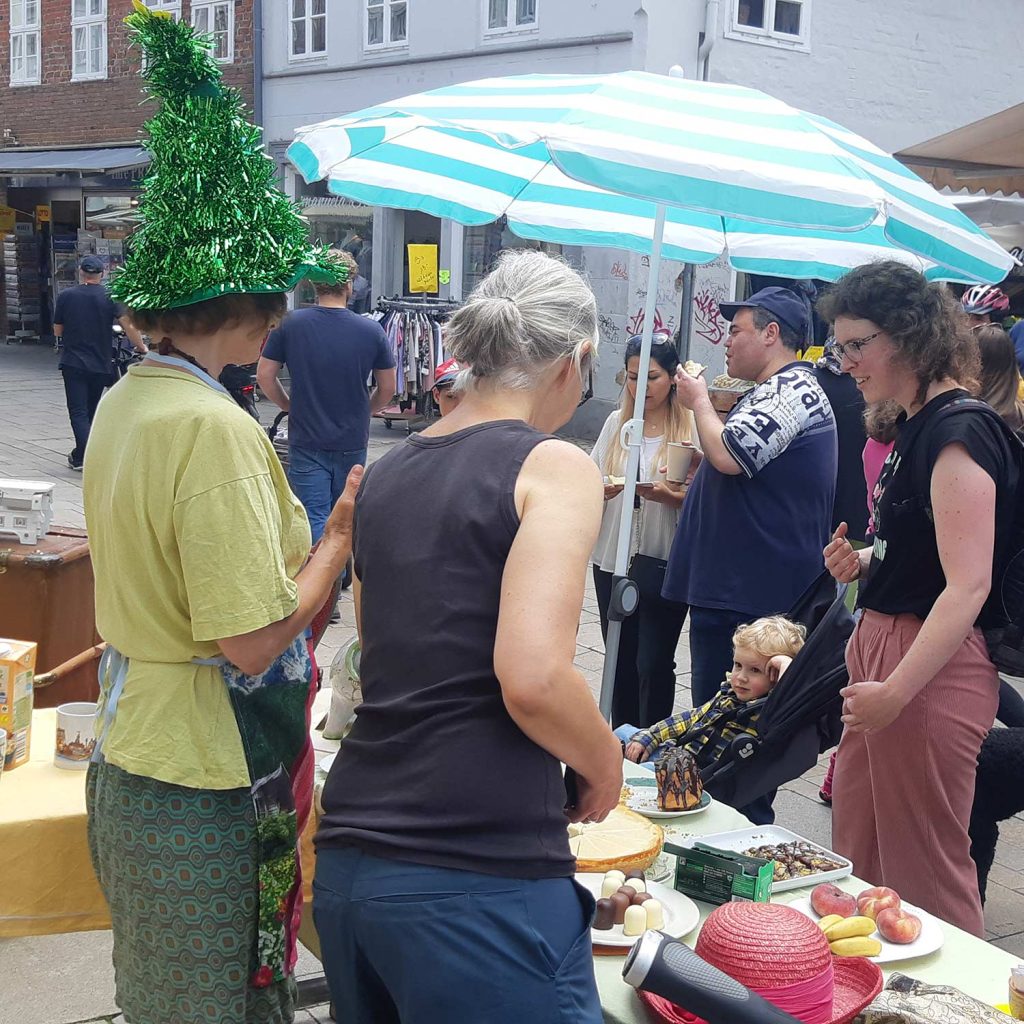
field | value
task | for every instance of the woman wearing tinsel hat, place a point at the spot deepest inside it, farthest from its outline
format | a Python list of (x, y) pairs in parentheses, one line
[(204, 579)]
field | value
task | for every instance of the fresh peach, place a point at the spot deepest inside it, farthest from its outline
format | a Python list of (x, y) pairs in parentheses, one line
[(830, 899), (896, 925), (871, 902)]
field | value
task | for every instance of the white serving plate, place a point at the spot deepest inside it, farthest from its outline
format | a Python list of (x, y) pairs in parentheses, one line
[(644, 800), (772, 835), (930, 939), (681, 913)]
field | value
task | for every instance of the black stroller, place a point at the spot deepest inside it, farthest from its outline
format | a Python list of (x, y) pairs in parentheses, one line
[(800, 718)]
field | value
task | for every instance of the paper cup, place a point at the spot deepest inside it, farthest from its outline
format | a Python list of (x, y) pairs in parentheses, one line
[(680, 455), (76, 735)]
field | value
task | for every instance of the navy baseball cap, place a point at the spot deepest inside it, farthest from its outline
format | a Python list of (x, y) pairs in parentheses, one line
[(91, 265), (786, 306)]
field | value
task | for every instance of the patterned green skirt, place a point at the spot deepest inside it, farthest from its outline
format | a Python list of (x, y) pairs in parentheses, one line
[(178, 868)]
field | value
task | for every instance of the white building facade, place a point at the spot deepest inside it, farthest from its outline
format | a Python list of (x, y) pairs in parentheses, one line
[(895, 71)]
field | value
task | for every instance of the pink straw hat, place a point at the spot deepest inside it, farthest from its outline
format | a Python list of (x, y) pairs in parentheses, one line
[(771, 948)]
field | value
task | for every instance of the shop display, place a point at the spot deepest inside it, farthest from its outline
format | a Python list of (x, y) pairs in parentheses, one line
[(679, 784), (22, 284), (624, 840)]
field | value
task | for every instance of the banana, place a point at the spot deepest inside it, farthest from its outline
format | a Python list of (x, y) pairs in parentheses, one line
[(850, 928), (826, 922), (860, 945)]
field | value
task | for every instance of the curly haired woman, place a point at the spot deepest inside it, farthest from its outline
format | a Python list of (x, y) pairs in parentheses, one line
[(923, 690)]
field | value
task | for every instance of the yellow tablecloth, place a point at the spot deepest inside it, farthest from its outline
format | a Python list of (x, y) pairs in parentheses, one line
[(47, 883)]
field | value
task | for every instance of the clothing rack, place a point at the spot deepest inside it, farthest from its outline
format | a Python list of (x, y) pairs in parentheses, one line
[(415, 332)]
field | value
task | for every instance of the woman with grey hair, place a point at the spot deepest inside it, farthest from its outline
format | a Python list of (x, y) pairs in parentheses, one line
[(444, 878)]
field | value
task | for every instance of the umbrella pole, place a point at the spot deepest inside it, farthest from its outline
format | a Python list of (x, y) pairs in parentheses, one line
[(632, 435)]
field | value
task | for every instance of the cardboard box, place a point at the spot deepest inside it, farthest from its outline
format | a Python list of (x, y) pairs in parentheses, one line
[(17, 671), (721, 876)]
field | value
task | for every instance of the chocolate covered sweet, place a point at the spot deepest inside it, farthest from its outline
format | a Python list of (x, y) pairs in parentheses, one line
[(678, 778), (635, 874), (604, 915), (635, 922), (628, 890), (641, 898), (619, 902)]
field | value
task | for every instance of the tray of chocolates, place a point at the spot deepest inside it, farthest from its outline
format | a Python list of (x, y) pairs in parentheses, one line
[(628, 905)]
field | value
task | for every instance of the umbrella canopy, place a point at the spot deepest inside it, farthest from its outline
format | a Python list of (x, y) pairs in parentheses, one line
[(582, 160)]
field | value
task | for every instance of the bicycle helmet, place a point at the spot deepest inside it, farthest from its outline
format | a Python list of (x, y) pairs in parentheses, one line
[(985, 298)]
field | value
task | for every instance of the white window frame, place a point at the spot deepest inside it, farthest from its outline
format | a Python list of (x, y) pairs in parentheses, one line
[(387, 7), (173, 7), (307, 18), (211, 6), (21, 34), (767, 36), (89, 22), (510, 27)]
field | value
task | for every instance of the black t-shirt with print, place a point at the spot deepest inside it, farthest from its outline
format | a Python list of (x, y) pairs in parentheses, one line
[(905, 574)]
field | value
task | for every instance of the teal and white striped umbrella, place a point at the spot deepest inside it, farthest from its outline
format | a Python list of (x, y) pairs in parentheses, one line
[(582, 160), (653, 164)]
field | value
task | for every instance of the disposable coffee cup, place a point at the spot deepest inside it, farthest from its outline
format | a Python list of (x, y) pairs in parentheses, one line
[(76, 735), (680, 455)]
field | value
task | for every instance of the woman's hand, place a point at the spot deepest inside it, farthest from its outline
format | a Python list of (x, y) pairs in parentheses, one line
[(338, 528), (840, 558), (662, 493), (870, 706), (636, 752), (612, 491)]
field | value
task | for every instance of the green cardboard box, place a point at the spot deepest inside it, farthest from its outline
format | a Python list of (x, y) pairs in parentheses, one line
[(721, 876)]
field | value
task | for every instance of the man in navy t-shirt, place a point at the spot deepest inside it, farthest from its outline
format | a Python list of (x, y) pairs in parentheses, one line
[(758, 513), (330, 353), (83, 320)]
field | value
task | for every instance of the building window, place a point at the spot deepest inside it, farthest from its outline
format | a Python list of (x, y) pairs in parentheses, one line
[(173, 7), (217, 20), (88, 39), (386, 23), (24, 42), (510, 15), (783, 23), (309, 28)]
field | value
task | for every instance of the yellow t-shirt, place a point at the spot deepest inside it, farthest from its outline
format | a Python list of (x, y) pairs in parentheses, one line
[(195, 535)]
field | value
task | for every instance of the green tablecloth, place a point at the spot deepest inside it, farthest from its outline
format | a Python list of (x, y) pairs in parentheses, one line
[(972, 965)]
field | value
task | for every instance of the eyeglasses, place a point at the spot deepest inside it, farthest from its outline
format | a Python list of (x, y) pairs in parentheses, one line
[(852, 349)]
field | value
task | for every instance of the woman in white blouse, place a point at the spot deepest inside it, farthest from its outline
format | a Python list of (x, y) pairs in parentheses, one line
[(645, 673)]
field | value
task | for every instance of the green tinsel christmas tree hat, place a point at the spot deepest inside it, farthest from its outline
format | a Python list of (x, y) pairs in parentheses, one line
[(214, 221)]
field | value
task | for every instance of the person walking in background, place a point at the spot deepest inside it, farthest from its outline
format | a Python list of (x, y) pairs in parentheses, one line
[(645, 676), (83, 322), (747, 542), (923, 690), (1000, 380), (330, 353)]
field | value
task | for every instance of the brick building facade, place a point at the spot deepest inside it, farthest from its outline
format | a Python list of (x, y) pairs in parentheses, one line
[(65, 110)]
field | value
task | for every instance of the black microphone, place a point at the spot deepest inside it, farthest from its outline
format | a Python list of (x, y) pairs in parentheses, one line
[(669, 968)]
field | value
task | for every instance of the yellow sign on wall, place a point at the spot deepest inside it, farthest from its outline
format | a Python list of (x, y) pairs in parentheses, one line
[(42, 214), (7, 218), (422, 268)]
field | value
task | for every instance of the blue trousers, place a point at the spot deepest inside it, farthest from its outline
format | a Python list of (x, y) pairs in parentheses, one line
[(406, 943), (318, 478)]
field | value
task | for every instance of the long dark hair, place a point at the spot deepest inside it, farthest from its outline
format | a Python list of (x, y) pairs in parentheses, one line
[(1000, 377)]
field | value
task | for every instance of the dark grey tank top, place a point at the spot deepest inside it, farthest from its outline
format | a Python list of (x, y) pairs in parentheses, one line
[(435, 771)]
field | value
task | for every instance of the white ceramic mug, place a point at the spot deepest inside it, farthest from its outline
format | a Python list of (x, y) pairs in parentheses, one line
[(680, 455), (76, 735)]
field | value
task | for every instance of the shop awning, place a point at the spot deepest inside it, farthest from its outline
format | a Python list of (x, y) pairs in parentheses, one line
[(986, 155), (83, 161)]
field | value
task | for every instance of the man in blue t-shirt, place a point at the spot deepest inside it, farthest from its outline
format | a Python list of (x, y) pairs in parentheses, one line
[(330, 353), (758, 513), (83, 320)]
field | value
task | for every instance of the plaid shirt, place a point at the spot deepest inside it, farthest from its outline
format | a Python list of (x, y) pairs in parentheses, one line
[(719, 713)]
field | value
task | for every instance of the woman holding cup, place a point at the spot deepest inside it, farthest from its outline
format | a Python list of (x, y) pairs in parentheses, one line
[(645, 677)]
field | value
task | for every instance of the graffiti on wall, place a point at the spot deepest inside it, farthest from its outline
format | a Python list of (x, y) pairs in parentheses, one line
[(635, 324), (707, 320), (609, 329)]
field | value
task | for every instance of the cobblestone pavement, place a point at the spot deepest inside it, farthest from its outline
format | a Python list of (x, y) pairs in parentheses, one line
[(35, 437)]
